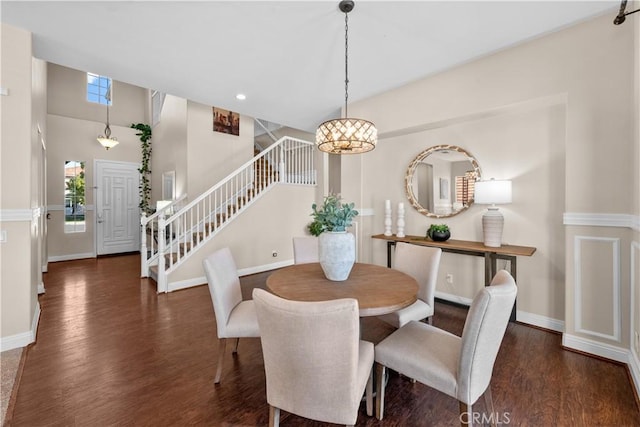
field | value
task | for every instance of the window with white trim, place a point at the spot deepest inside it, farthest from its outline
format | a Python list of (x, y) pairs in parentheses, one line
[(99, 89), (74, 197)]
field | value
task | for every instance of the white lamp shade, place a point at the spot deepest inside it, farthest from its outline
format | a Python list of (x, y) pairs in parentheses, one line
[(492, 192), (107, 142)]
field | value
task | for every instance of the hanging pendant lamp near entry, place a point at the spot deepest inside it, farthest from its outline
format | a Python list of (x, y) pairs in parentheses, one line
[(106, 140), (346, 135)]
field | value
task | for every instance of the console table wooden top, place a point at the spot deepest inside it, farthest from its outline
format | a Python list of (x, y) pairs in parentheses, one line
[(468, 247), (461, 245)]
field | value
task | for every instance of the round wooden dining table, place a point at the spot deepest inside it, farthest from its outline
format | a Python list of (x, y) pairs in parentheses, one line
[(379, 290)]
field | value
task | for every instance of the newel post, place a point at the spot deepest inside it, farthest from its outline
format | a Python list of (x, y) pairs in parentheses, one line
[(162, 249), (144, 266)]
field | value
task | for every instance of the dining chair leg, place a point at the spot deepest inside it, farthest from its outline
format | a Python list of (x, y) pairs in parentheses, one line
[(466, 415), (430, 320), (222, 346), (380, 373), (274, 416), (369, 394), (488, 402), (235, 347)]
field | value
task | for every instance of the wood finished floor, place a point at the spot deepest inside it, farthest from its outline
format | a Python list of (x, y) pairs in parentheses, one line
[(110, 351)]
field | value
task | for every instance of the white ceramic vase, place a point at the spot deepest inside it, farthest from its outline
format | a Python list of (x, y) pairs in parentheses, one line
[(337, 253)]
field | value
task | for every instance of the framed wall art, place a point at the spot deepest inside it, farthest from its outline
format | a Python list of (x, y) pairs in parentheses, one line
[(226, 121)]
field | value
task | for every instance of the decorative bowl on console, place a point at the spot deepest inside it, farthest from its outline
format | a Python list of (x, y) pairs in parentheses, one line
[(439, 232)]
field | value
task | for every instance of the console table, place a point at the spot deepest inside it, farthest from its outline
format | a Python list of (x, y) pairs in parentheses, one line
[(466, 247)]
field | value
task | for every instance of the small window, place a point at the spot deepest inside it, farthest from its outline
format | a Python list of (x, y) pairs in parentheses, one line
[(74, 200), (98, 89)]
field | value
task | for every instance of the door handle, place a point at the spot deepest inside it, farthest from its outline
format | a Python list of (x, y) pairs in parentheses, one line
[(100, 220)]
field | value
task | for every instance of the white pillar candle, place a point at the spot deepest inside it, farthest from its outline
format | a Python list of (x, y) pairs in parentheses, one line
[(400, 232), (387, 218)]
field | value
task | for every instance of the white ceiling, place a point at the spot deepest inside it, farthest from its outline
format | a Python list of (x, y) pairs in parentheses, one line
[(286, 56)]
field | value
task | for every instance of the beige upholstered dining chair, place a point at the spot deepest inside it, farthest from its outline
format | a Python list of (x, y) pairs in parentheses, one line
[(305, 250), (234, 318), (422, 263), (315, 363), (458, 366)]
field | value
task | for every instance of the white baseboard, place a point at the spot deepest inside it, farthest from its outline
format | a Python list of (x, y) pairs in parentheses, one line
[(634, 367), (453, 298), (607, 351), (23, 339), (540, 321), (41, 289), (184, 284), (265, 267), (197, 281), (71, 257), (521, 316)]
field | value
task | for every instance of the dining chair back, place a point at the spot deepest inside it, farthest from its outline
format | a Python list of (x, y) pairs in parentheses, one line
[(422, 263), (305, 250), (315, 363), (482, 335), (235, 318), (460, 367)]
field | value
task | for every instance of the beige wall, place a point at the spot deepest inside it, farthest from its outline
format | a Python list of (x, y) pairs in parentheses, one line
[(169, 144), (73, 124), (75, 139), (635, 249), (39, 164), (211, 156), (201, 157), (267, 226), (558, 115), (19, 199), (554, 115), (68, 97)]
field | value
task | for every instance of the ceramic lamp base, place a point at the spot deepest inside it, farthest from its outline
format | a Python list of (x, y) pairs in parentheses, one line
[(492, 224)]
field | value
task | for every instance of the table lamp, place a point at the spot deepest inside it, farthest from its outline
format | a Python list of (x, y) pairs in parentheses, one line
[(492, 192)]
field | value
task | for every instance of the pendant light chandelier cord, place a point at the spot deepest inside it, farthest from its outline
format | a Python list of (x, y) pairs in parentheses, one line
[(346, 62), (107, 129)]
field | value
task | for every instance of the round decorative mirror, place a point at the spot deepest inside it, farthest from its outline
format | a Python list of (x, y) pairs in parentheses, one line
[(440, 181)]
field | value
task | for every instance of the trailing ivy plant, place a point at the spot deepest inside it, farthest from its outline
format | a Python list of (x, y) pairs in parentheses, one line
[(145, 167)]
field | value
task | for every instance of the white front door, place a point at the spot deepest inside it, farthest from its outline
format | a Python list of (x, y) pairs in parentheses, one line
[(117, 210)]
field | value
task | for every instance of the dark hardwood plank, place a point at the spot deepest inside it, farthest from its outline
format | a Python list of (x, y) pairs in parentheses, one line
[(110, 351)]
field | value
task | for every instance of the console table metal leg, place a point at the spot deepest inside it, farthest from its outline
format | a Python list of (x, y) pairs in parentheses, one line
[(512, 263), (489, 262), (491, 268), (389, 244)]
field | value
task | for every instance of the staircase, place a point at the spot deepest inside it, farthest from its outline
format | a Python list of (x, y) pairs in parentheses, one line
[(167, 242)]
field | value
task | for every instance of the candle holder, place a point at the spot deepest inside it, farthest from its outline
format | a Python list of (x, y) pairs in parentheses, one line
[(387, 218), (400, 232)]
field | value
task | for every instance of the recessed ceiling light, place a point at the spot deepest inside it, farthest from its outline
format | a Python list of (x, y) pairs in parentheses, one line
[(241, 96)]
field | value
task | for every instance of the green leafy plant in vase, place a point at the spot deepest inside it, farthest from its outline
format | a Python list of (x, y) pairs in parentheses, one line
[(439, 232), (333, 215)]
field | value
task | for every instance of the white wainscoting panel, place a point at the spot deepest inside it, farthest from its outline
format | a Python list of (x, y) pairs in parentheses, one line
[(579, 288)]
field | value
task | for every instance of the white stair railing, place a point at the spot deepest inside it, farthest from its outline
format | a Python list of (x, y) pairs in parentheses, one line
[(289, 160), (149, 236)]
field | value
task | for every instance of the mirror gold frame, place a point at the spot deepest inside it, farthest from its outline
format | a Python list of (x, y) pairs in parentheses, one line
[(420, 158)]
